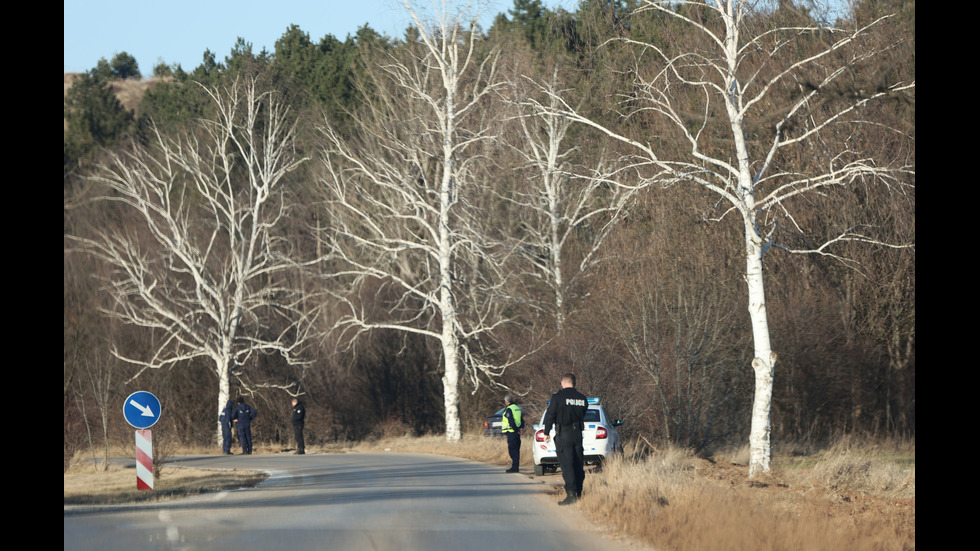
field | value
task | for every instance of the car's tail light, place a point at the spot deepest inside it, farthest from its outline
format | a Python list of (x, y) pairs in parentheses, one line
[(600, 433), (539, 436), (485, 424)]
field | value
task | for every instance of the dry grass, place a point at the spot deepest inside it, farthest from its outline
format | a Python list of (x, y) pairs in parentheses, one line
[(855, 500), (869, 469), (129, 92), (85, 485), (88, 481)]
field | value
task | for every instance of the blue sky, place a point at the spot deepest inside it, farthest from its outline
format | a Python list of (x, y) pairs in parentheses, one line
[(179, 31)]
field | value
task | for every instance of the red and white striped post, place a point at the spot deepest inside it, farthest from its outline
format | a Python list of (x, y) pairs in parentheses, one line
[(144, 460)]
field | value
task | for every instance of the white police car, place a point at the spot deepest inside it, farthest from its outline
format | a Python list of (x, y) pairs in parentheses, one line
[(599, 440)]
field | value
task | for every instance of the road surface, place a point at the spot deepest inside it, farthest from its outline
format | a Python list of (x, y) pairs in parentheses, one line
[(384, 501)]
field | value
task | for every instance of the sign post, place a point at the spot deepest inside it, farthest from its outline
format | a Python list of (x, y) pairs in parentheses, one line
[(142, 410), (144, 460)]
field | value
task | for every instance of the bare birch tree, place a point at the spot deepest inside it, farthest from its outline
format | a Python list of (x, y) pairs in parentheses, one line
[(400, 195), (560, 197), (745, 92), (206, 273)]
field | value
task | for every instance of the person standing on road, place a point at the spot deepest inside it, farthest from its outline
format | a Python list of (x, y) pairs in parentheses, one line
[(299, 419), (225, 420), (512, 425), (566, 412), (243, 416)]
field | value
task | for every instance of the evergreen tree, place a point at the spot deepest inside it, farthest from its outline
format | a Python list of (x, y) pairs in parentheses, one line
[(171, 104), (124, 66), (208, 69), (94, 117), (161, 70), (121, 67), (326, 69), (242, 59), (530, 17)]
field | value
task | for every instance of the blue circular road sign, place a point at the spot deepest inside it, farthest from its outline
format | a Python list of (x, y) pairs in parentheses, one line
[(141, 409)]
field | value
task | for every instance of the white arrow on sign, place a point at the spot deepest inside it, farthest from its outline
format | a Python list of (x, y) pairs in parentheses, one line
[(147, 412)]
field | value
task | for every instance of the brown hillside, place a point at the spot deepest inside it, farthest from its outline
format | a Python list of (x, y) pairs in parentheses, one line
[(129, 91)]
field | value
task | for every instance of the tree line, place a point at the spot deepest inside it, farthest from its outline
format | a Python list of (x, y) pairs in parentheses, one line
[(705, 210)]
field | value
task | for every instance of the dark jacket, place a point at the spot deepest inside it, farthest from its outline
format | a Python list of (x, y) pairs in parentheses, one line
[(299, 413), (244, 414), (566, 410), (225, 417)]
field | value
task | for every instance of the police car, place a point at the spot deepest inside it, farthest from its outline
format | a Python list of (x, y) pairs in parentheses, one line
[(599, 440)]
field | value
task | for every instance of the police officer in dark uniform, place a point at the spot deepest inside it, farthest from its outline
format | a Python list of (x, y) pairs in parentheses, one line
[(225, 420), (566, 412), (299, 419), (243, 416)]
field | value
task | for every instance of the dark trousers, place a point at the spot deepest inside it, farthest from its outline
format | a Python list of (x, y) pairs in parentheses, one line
[(571, 459), (514, 449), (298, 433), (226, 439), (245, 437)]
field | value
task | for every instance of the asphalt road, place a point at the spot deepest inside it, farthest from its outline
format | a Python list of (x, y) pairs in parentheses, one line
[(347, 501)]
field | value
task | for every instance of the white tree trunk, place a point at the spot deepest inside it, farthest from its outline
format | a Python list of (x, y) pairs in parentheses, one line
[(556, 250), (760, 452), (764, 359), (450, 385), (447, 306), (224, 393)]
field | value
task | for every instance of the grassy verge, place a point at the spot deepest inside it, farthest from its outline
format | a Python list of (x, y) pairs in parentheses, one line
[(87, 485), (848, 499)]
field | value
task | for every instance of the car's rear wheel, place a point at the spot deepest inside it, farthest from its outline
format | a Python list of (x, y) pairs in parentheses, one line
[(539, 470)]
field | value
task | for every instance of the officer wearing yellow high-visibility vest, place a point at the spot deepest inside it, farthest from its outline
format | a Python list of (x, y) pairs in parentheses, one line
[(512, 425)]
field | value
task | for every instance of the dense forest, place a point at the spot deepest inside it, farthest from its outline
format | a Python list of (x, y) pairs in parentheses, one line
[(400, 230)]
